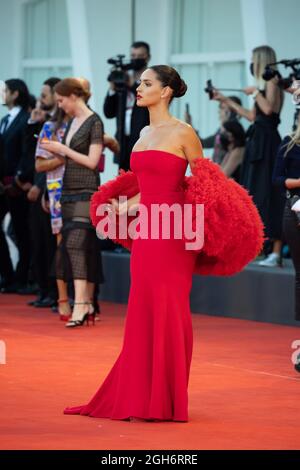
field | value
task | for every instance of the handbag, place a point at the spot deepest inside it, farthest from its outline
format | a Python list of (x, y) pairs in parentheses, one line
[(101, 164), (295, 207)]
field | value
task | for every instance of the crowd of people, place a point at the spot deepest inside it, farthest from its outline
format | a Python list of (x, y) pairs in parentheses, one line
[(47, 195), (51, 156)]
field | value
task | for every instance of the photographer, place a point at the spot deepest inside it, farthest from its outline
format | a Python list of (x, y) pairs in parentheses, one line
[(225, 115), (42, 240), (287, 177), (232, 138), (120, 102), (262, 144)]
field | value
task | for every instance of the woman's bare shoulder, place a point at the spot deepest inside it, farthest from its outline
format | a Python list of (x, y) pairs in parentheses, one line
[(144, 130), (189, 140), (184, 128), (180, 124)]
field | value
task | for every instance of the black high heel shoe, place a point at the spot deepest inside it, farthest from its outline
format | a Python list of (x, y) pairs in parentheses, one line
[(96, 306), (92, 312), (84, 319)]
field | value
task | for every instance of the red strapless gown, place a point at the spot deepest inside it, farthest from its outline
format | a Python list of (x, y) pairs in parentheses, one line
[(150, 377)]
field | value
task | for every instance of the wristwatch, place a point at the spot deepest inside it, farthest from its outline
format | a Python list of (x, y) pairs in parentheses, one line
[(254, 95)]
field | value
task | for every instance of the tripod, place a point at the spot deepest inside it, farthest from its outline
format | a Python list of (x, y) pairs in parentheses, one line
[(121, 111)]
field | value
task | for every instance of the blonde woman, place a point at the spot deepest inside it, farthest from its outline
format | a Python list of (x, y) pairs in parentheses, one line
[(287, 177), (262, 145)]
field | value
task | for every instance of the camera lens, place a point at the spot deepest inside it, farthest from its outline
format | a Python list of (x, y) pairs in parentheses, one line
[(269, 73)]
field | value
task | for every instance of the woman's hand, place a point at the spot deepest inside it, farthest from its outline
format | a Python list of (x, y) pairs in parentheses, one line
[(296, 93), (119, 209), (218, 96), (111, 143), (53, 147), (33, 193), (45, 204), (24, 186), (249, 90), (38, 115)]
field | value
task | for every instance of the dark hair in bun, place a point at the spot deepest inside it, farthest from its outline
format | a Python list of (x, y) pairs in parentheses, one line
[(168, 76)]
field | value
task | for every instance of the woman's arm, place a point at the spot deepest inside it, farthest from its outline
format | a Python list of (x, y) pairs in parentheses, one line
[(292, 183), (191, 144), (111, 143), (89, 161), (233, 162), (269, 104), (44, 164), (249, 114)]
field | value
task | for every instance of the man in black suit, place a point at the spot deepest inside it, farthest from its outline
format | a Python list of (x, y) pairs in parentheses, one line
[(122, 105), (13, 198)]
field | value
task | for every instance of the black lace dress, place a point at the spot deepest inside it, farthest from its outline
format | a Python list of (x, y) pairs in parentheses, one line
[(262, 144), (79, 255)]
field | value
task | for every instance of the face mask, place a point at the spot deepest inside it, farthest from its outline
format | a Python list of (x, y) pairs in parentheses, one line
[(224, 141), (138, 64), (252, 68)]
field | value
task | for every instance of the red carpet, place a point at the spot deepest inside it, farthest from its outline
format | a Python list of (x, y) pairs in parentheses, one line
[(244, 392)]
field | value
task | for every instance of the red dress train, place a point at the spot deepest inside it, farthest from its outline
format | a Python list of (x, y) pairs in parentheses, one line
[(150, 377)]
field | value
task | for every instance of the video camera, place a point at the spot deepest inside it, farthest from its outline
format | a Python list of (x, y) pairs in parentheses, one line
[(118, 74), (283, 82), (286, 82)]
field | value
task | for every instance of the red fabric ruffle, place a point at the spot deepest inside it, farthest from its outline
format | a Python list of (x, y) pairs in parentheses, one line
[(233, 230), (125, 184)]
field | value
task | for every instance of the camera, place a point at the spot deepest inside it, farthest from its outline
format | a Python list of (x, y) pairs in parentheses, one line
[(118, 74), (283, 82), (209, 89)]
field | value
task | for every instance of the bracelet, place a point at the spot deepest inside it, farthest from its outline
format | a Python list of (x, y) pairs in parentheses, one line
[(254, 95)]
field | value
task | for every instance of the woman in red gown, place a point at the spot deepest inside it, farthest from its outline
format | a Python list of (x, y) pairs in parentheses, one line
[(150, 377)]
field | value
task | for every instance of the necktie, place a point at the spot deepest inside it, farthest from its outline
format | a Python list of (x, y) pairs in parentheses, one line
[(4, 124)]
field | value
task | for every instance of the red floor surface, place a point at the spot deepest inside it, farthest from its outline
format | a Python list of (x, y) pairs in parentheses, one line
[(244, 392)]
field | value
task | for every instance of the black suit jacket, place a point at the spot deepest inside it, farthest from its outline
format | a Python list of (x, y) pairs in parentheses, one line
[(26, 168), (12, 150), (139, 119)]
